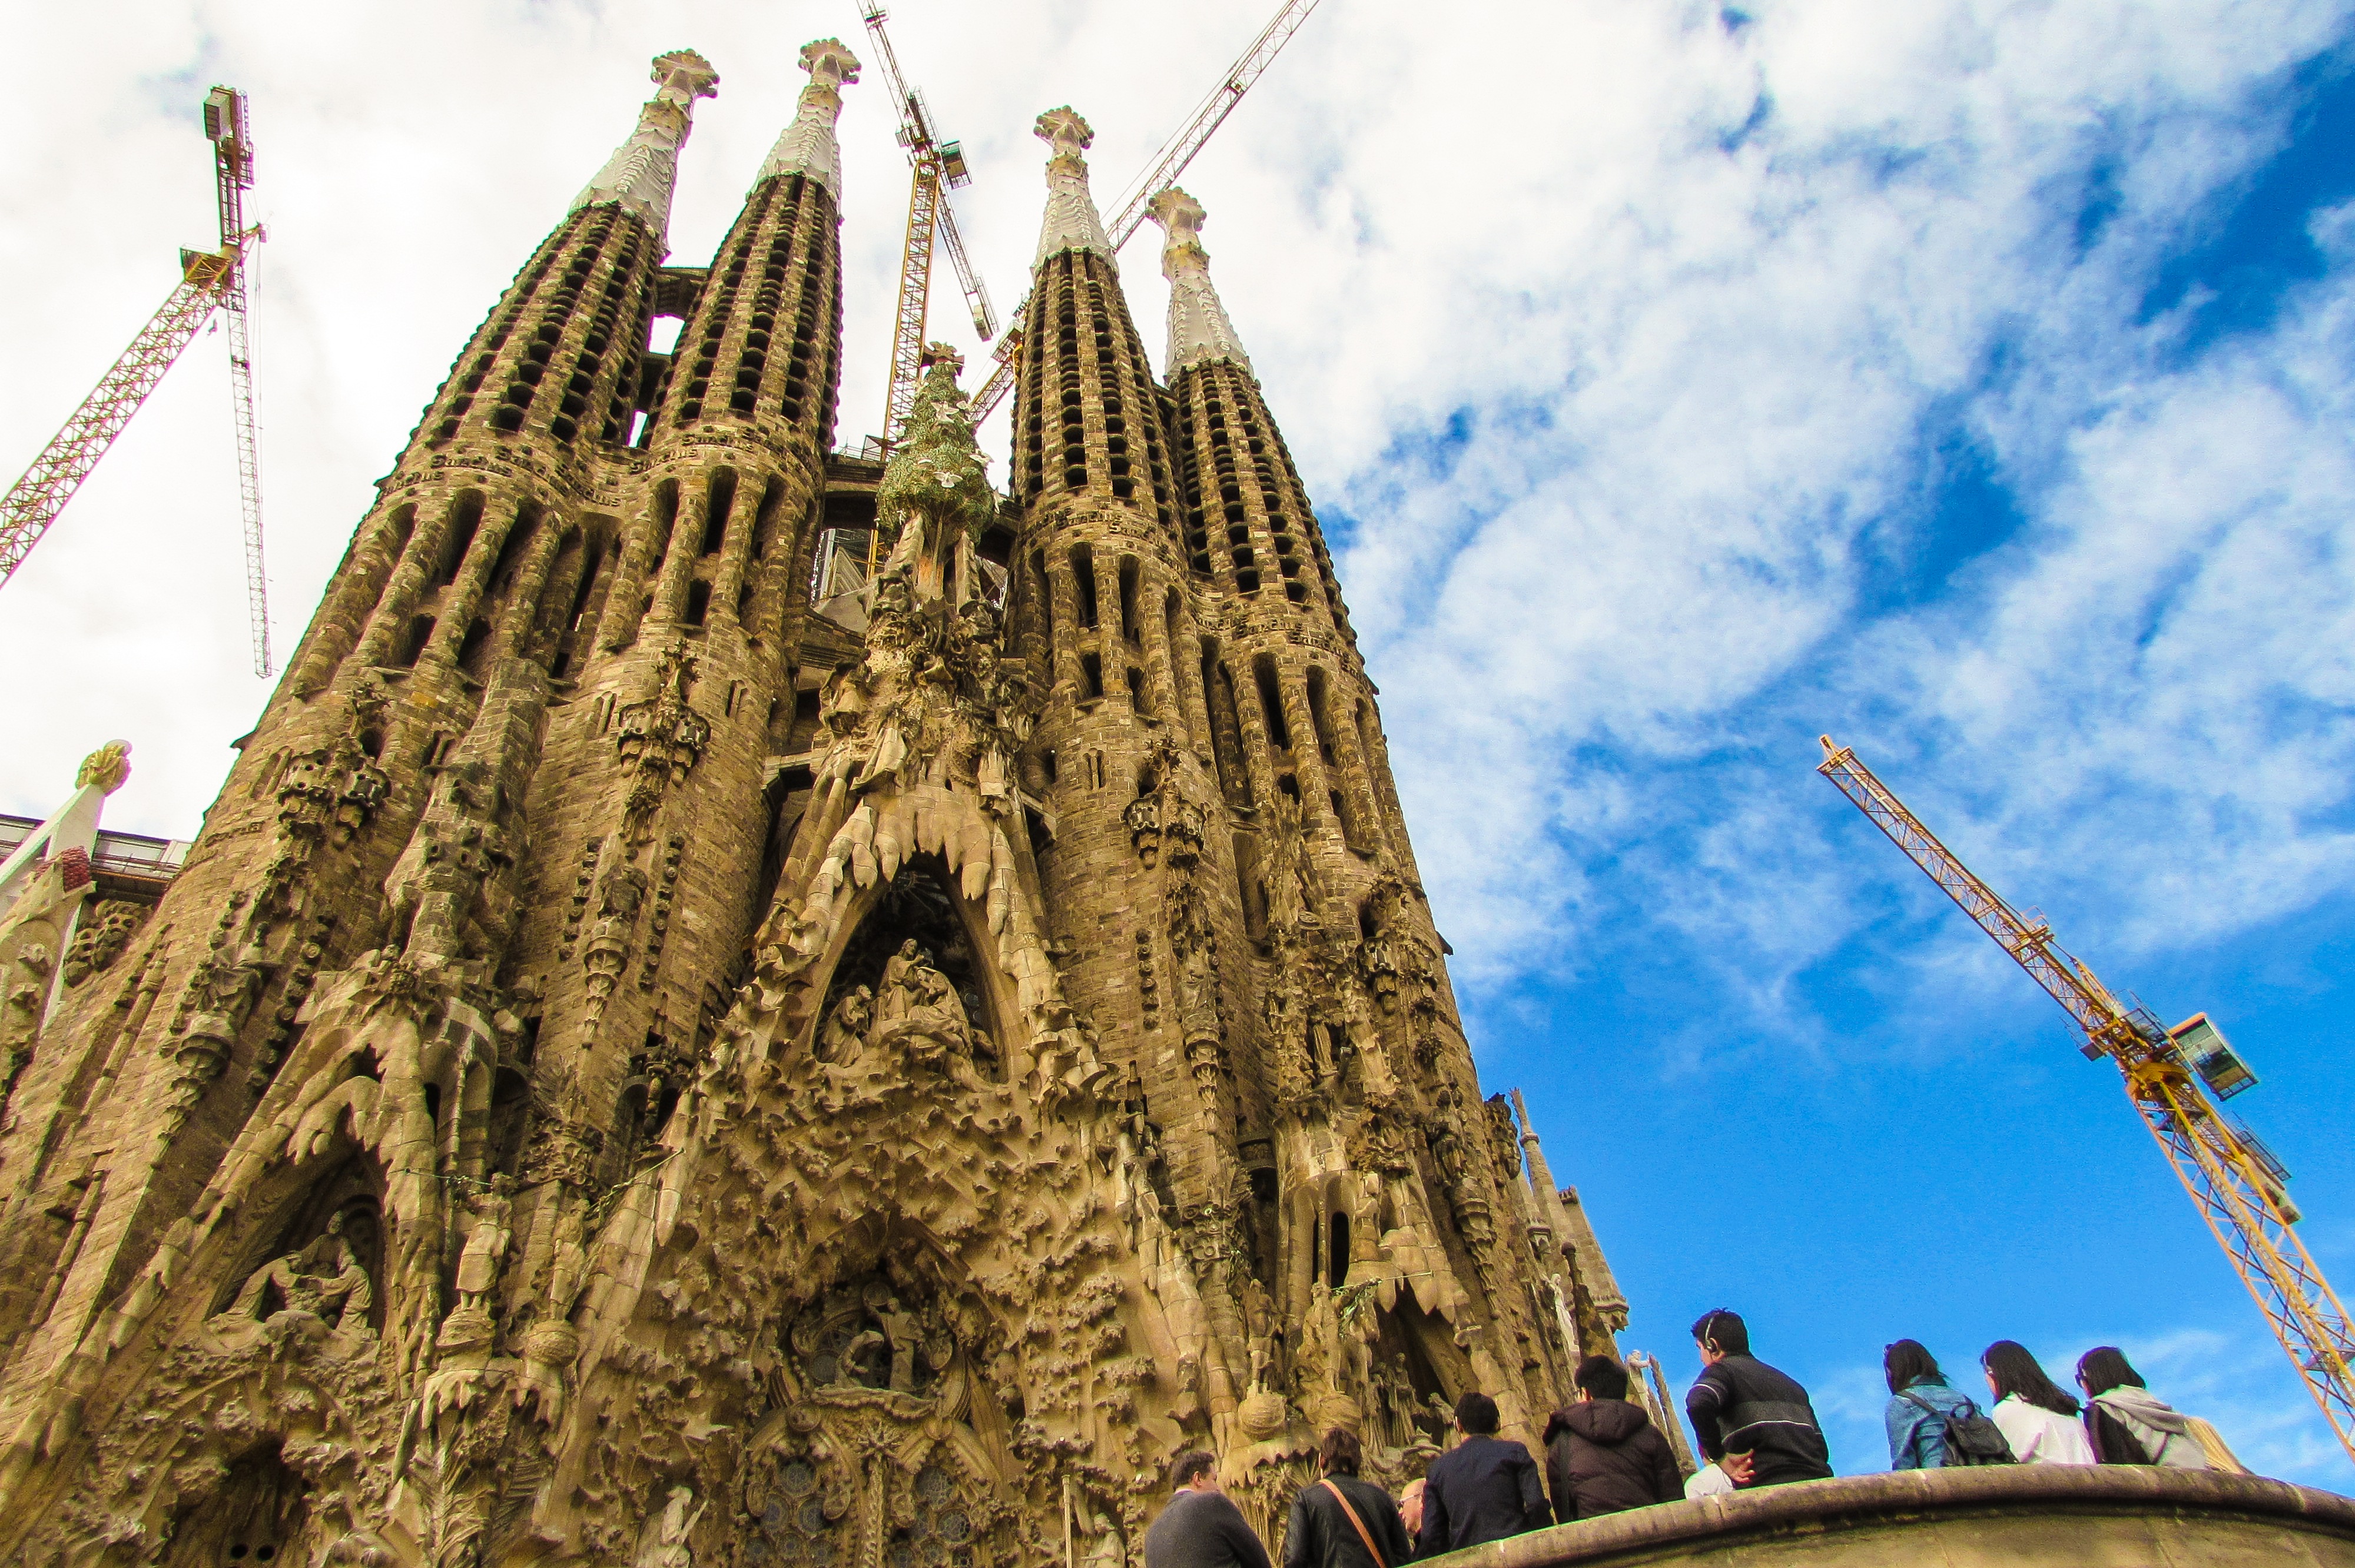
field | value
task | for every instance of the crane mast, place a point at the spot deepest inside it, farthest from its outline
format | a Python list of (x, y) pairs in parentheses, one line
[(936, 163), (2233, 1180), (209, 281), (225, 123), (1167, 165)]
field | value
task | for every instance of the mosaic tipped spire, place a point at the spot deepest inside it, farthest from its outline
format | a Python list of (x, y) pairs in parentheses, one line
[(1200, 331), (643, 170), (807, 146), (1071, 222)]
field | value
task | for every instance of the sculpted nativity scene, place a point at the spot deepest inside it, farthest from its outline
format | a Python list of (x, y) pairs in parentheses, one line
[(660, 1057)]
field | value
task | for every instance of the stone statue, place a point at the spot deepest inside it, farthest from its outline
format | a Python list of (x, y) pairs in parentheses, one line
[(325, 1279), (844, 1035), (664, 1543), (487, 1243)]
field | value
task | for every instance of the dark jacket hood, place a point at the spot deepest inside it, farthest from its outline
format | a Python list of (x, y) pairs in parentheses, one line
[(1609, 1422)]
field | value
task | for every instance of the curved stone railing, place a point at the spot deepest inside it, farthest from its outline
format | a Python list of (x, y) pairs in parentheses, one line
[(2020, 1516)]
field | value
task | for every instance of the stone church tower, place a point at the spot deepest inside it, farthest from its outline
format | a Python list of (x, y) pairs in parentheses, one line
[(660, 1057)]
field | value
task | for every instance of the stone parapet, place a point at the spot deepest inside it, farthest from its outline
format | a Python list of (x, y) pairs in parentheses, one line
[(2022, 1515)]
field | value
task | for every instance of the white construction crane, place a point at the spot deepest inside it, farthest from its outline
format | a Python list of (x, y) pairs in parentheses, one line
[(935, 163), (209, 281), (1167, 165)]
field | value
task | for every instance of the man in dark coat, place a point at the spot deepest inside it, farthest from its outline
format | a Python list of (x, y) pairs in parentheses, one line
[(1484, 1488), (1201, 1528), (1322, 1534), (1602, 1453), (1753, 1421)]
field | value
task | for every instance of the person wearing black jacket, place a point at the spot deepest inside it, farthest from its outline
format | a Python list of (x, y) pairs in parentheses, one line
[(1201, 1528), (1484, 1488), (1602, 1453), (1753, 1421), (1322, 1533)]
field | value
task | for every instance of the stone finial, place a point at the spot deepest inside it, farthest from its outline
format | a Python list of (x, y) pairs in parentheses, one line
[(642, 171), (807, 146), (942, 354), (1200, 331), (1071, 222), (107, 768)]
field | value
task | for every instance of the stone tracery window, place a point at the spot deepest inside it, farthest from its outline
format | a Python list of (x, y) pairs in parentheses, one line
[(939, 1530), (789, 1522)]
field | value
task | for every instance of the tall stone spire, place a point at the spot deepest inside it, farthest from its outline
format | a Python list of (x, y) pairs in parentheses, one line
[(1200, 331), (1071, 222), (642, 171), (807, 145)]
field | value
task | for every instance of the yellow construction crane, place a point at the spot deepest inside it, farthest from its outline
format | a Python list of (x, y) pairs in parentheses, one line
[(209, 281), (1167, 165), (935, 163), (2234, 1182)]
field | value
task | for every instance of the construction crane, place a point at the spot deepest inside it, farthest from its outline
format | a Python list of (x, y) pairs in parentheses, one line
[(1167, 165), (2239, 1188), (209, 281), (935, 163)]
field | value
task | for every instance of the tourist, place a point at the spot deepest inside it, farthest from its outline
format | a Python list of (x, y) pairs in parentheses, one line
[(2125, 1426), (1341, 1521), (1484, 1488), (1602, 1453), (1918, 1403), (2038, 1419), (1752, 1421), (1410, 1507), (1201, 1528)]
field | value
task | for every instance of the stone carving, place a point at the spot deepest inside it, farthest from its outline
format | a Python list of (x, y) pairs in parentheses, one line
[(106, 767), (105, 930), (323, 1280), (487, 1243)]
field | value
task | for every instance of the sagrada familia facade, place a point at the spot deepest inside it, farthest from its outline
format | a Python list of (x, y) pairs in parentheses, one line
[(657, 1059)]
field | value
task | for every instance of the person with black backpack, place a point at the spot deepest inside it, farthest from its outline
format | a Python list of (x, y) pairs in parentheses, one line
[(1931, 1424)]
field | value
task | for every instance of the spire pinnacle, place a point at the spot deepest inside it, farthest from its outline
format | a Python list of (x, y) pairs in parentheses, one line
[(935, 492), (1200, 331), (1071, 222), (638, 178), (807, 146)]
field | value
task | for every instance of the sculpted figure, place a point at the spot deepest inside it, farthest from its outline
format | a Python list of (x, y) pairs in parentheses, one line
[(899, 1331), (664, 1544), (844, 1035), (893, 996), (325, 1279), (487, 1242), (1258, 1328)]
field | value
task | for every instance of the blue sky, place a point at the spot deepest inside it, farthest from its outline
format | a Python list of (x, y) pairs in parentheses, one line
[(1970, 380), (1791, 1078)]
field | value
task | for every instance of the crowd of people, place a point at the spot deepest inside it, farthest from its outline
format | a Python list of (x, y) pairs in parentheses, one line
[(1602, 1453)]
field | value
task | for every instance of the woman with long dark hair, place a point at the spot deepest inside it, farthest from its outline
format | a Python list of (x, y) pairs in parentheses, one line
[(2126, 1424), (1918, 1403), (2037, 1418)]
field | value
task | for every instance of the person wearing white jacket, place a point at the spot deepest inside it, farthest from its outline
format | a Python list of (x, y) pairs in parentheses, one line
[(2128, 1424), (2036, 1417)]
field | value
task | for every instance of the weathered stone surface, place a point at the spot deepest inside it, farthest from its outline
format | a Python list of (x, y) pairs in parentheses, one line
[(2008, 1515)]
